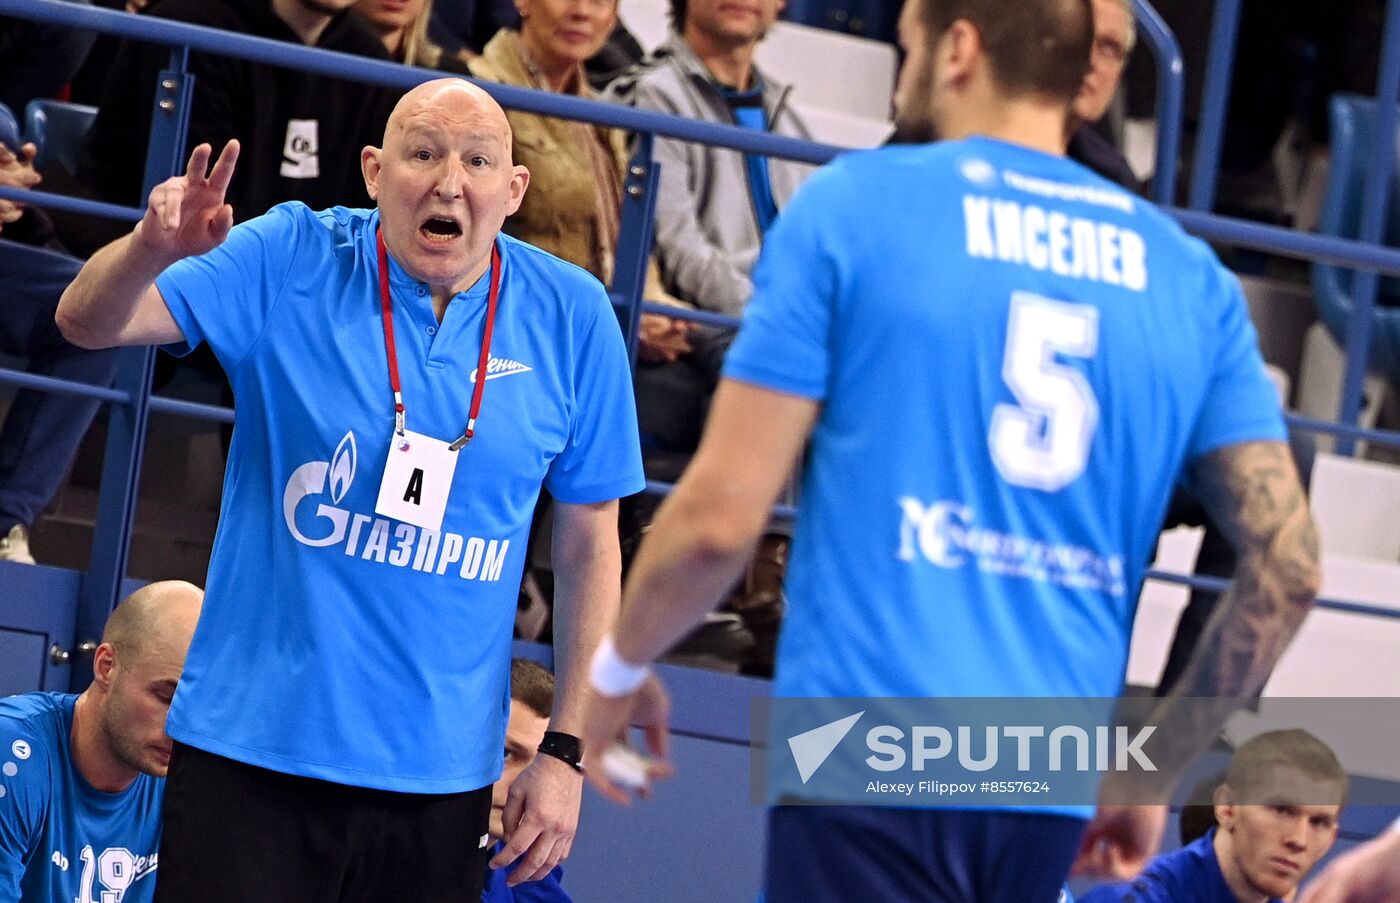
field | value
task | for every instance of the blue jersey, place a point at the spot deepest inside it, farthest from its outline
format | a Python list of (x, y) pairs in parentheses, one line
[(549, 889), (1014, 358), (61, 839), (335, 643), (1189, 875)]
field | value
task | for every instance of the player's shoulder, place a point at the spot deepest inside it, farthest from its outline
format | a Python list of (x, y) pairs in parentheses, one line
[(32, 727)]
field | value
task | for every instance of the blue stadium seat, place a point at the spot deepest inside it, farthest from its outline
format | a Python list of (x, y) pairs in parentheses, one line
[(1353, 120), (9, 129), (57, 129)]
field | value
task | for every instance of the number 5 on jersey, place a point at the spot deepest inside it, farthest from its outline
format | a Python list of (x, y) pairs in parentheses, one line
[(1043, 441)]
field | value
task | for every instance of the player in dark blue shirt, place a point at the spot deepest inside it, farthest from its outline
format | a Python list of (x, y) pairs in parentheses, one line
[(81, 777), (1277, 812), (531, 704)]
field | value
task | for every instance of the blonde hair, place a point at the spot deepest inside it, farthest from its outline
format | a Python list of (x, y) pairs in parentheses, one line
[(418, 50)]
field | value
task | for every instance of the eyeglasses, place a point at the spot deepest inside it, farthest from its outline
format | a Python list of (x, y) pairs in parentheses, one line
[(1109, 50)]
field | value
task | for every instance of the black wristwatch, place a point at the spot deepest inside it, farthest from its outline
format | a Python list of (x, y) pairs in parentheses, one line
[(565, 747)]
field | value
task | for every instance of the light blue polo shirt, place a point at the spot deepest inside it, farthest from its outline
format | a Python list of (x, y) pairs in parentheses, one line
[(335, 643), (61, 839)]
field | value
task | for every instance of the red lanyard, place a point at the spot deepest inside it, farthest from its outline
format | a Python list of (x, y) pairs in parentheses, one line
[(387, 307)]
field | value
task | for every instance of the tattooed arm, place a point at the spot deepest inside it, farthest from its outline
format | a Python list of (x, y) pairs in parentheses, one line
[(1252, 493)]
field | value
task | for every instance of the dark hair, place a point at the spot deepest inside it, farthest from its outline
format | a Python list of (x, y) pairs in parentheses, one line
[(1035, 46), (1254, 763), (678, 15), (532, 685)]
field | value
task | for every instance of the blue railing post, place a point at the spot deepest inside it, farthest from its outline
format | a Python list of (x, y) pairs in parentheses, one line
[(126, 423), (1374, 203), (634, 239), (1171, 93), (1210, 129)]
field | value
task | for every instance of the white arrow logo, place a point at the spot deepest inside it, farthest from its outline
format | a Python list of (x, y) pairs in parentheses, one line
[(811, 748)]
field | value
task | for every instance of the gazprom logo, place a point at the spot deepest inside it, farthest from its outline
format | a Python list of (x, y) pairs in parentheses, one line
[(326, 484), (310, 479), (343, 467)]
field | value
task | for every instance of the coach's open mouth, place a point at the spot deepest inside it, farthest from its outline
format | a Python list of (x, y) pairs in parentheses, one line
[(440, 229)]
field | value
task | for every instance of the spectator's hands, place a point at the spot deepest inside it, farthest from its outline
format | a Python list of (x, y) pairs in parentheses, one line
[(1120, 841), (1368, 874), (662, 339), (606, 719), (16, 171), (540, 818), (186, 215)]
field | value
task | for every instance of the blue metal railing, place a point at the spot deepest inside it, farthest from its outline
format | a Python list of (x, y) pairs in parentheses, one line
[(1376, 196), (1215, 98), (1171, 94), (132, 392)]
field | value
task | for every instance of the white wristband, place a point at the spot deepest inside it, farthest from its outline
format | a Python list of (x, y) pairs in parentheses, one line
[(611, 674)]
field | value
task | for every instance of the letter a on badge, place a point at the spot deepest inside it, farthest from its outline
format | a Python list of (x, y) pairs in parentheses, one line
[(414, 492)]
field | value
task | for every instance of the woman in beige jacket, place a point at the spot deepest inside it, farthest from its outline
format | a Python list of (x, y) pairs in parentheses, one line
[(573, 206)]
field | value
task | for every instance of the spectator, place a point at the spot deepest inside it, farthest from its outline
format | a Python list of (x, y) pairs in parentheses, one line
[(714, 205), (576, 168), (403, 27), (42, 430), (299, 132), (1115, 34), (712, 210), (90, 82), (353, 555), (472, 23), (82, 785), (38, 59), (1277, 816), (531, 704)]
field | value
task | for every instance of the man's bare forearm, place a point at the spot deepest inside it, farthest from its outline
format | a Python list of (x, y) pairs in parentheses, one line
[(107, 292), (587, 593), (1253, 494)]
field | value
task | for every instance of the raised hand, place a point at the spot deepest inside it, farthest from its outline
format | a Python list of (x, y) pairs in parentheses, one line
[(186, 215)]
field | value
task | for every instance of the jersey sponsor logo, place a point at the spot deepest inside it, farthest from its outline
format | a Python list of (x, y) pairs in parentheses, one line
[(1051, 241), (501, 366), (300, 159), (21, 750), (945, 534), (385, 541), (1115, 198), (978, 171), (116, 869), (59, 860)]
